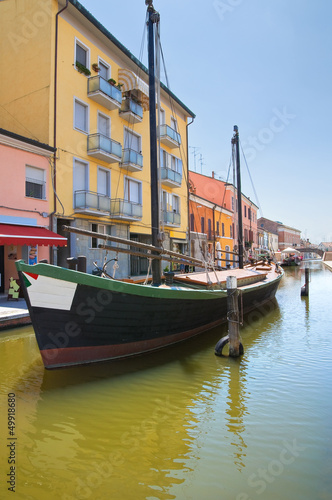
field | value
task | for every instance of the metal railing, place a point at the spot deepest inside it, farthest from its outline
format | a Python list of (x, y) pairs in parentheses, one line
[(133, 157), (167, 131), (89, 200), (97, 83), (99, 142), (126, 209), (134, 107), (171, 175)]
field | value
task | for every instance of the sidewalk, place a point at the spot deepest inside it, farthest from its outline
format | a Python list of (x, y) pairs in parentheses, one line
[(13, 313)]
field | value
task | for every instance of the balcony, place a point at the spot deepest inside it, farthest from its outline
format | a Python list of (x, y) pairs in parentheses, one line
[(169, 136), (104, 148), (170, 177), (125, 210), (132, 160), (171, 218), (131, 111), (88, 202), (105, 94)]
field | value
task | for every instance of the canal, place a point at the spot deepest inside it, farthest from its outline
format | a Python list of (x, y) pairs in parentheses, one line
[(180, 424)]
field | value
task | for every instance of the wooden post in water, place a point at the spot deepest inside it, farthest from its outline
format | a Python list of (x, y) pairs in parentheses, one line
[(305, 287), (233, 316), (233, 337)]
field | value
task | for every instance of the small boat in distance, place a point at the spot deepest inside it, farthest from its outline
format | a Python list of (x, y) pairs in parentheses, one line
[(290, 257), (80, 318)]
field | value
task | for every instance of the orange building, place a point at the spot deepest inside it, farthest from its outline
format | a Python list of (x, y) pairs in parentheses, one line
[(222, 198)]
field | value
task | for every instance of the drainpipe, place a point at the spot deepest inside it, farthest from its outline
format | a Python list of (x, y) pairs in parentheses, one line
[(189, 245), (55, 116)]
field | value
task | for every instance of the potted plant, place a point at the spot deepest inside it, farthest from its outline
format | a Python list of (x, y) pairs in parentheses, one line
[(112, 81), (82, 69), (95, 67)]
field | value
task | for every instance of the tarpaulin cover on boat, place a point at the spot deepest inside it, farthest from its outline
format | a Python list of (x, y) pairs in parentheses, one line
[(11, 234)]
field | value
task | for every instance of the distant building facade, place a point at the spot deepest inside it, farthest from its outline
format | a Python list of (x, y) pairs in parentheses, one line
[(287, 236)]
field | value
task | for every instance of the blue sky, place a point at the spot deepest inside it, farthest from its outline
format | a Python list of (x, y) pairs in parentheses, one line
[(264, 65)]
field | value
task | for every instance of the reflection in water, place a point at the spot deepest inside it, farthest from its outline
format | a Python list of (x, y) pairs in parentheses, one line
[(236, 411), (180, 422)]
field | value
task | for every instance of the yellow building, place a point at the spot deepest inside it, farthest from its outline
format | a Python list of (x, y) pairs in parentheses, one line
[(69, 83)]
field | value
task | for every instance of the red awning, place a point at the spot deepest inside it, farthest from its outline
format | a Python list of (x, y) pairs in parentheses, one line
[(29, 235)]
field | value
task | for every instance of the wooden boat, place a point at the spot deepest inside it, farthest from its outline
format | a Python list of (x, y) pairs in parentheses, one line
[(80, 318)]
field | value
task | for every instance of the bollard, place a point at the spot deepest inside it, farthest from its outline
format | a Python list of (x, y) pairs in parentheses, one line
[(233, 337), (305, 287), (81, 263), (72, 263)]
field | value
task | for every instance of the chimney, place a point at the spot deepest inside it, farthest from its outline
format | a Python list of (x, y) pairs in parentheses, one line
[(212, 175)]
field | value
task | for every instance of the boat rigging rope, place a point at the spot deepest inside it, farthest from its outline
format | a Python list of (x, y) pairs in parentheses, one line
[(148, 272)]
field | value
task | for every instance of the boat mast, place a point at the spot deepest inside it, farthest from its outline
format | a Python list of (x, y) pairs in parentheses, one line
[(153, 19), (235, 141)]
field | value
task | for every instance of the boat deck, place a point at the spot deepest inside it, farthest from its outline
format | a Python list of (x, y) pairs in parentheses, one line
[(247, 276)]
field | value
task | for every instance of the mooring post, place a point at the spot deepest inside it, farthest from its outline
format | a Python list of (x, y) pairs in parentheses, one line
[(305, 287), (233, 316), (233, 337)]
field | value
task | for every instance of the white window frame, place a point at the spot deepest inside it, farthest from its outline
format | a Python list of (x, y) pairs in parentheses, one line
[(79, 101), (175, 196), (104, 63), (86, 48), (101, 228), (126, 179), (87, 173), (174, 123), (39, 182), (108, 172), (130, 131), (108, 118)]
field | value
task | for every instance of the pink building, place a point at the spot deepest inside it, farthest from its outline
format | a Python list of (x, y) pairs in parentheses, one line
[(26, 203)]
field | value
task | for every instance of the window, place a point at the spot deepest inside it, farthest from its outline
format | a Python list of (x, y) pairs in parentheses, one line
[(231, 231), (176, 204), (222, 229), (232, 202), (202, 224), (81, 53), (133, 191), (173, 123), (81, 120), (169, 161), (245, 211), (104, 125), (104, 181), (35, 182), (217, 229), (98, 228), (104, 70), (162, 117), (171, 203), (192, 222), (209, 229), (132, 141), (81, 176)]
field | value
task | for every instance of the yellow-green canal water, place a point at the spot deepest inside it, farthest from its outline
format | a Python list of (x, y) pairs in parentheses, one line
[(181, 423)]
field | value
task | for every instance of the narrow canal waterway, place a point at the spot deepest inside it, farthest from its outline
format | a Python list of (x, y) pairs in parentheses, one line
[(181, 424)]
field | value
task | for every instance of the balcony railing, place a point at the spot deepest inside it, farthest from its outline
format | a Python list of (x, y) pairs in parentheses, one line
[(131, 111), (132, 160), (125, 210), (104, 93), (104, 148), (169, 136), (88, 201), (170, 177), (173, 218)]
